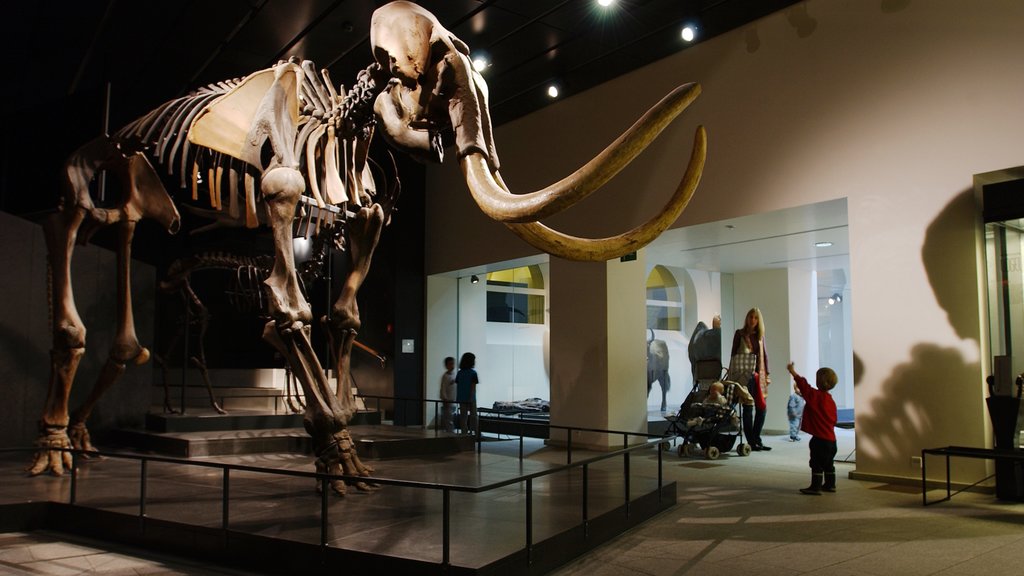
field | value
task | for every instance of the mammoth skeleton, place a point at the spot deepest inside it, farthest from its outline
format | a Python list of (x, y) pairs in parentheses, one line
[(286, 137)]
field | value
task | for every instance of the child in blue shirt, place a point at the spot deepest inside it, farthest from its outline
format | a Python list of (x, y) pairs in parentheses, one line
[(795, 411)]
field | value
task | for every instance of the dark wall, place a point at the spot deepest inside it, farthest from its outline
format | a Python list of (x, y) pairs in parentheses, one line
[(398, 271)]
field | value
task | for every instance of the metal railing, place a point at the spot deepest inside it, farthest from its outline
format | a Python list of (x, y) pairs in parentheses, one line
[(446, 489)]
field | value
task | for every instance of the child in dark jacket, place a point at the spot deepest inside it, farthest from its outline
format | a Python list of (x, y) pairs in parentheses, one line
[(819, 420)]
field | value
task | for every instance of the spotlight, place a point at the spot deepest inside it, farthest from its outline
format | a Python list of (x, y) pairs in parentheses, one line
[(553, 91), (474, 279), (835, 298), (689, 33), (605, 3), (480, 63)]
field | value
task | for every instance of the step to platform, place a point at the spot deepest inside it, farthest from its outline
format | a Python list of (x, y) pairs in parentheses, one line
[(217, 443), (230, 398), (207, 433), (383, 442), (205, 420)]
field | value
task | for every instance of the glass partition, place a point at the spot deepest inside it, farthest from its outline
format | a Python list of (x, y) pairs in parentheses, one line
[(1003, 247), (503, 319)]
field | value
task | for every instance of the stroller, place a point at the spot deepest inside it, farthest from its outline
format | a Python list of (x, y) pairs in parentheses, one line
[(708, 429)]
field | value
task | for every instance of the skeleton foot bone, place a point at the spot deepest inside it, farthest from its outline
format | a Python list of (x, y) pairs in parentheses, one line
[(339, 458)]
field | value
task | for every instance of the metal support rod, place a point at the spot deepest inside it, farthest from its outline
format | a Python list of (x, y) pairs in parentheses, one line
[(143, 480), (924, 481), (446, 536), (73, 497), (184, 355), (101, 178), (325, 487), (948, 494), (586, 501), (225, 498), (660, 479), (529, 521), (625, 472), (522, 433), (568, 446)]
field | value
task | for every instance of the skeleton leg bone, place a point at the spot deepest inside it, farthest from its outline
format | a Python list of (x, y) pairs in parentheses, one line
[(199, 360), (126, 347), (68, 344), (326, 418)]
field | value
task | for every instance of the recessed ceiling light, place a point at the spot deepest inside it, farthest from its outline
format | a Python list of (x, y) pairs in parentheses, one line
[(605, 3), (480, 63), (553, 91), (825, 244), (688, 33)]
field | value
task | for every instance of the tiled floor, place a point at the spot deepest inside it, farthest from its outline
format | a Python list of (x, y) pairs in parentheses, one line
[(734, 516)]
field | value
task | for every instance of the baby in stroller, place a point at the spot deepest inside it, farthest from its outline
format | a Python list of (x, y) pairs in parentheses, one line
[(708, 420)]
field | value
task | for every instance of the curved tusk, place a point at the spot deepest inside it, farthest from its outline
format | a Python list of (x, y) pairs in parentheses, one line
[(598, 249), (498, 203)]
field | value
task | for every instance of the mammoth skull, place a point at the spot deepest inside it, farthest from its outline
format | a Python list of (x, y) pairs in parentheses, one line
[(431, 86)]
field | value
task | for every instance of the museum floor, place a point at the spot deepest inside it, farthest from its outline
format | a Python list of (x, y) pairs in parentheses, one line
[(734, 516)]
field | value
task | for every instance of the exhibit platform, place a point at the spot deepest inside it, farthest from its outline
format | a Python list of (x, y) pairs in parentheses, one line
[(506, 515), (203, 432)]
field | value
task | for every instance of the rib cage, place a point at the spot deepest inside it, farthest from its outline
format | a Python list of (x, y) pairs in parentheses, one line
[(247, 273), (163, 135)]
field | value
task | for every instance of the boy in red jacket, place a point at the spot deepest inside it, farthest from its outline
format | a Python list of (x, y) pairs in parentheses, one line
[(820, 422)]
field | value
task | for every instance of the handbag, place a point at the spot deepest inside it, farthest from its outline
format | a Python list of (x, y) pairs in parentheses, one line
[(741, 368)]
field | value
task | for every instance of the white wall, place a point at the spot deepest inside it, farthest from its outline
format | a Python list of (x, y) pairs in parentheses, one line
[(803, 328), (767, 290), (893, 109), (441, 335)]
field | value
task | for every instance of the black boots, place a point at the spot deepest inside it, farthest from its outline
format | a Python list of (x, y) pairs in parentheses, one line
[(820, 482), (816, 484)]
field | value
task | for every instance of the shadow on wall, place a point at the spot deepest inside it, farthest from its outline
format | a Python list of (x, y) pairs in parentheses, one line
[(933, 399), (952, 272), (858, 370), (906, 417)]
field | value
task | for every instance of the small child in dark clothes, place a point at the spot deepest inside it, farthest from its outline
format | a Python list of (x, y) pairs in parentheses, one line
[(819, 421)]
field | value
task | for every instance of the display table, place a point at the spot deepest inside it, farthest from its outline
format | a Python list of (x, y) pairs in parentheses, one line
[(1012, 456)]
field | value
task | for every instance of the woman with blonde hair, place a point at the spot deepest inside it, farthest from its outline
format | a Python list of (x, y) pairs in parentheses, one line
[(749, 351)]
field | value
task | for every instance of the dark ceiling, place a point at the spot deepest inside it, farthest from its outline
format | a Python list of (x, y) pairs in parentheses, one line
[(63, 55)]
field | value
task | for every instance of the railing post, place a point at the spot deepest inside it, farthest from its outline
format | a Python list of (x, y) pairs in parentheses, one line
[(143, 479), (660, 477), (625, 482), (225, 498), (586, 501), (568, 446), (446, 537), (521, 435), (949, 495), (325, 487), (73, 497), (529, 521)]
